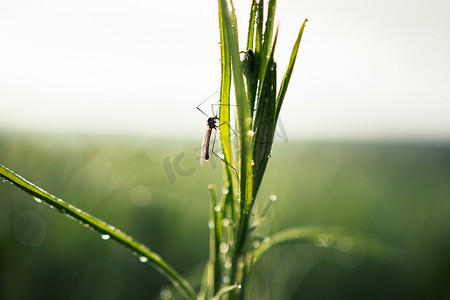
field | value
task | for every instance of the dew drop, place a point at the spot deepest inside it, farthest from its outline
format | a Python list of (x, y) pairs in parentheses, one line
[(105, 237), (269, 156), (273, 198), (321, 240), (210, 186), (217, 208), (225, 222), (250, 133), (239, 286), (253, 162), (211, 224), (266, 239), (226, 279), (143, 259), (37, 200), (255, 244), (228, 263), (175, 283), (165, 294), (225, 190), (224, 247)]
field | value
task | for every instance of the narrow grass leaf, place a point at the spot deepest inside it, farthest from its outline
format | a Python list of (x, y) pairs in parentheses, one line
[(214, 279), (224, 110), (251, 24), (103, 228), (267, 39), (289, 69), (331, 236), (264, 124)]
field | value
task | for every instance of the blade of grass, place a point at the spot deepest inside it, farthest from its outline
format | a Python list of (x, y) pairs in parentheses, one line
[(330, 236), (224, 111), (264, 124), (146, 255), (215, 240), (289, 69), (251, 25), (245, 133), (267, 39)]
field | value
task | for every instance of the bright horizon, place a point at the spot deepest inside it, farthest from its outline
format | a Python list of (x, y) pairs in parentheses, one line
[(365, 70)]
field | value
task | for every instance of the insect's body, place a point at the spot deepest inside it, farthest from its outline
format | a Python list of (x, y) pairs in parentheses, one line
[(210, 125)]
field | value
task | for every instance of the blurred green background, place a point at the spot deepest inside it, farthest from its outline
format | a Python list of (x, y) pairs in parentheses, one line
[(156, 191)]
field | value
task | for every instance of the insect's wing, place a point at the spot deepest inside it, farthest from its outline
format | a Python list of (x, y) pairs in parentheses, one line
[(204, 155)]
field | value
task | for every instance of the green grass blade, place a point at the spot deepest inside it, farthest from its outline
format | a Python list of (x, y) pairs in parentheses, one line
[(290, 67), (267, 39), (330, 236), (264, 124), (251, 25), (259, 28), (87, 220), (224, 110), (215, 240), (243, 111), (244, 121)]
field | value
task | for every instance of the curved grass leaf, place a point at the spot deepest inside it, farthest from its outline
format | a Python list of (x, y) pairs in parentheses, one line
[(87, 220), (330, 236)]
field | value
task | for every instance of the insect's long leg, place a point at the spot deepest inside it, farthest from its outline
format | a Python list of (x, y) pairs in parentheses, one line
[(212, 150), (217, 104), (231, 128), (198, 106)]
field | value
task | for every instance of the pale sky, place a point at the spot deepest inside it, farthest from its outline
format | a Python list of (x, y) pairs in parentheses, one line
[(365, 70)]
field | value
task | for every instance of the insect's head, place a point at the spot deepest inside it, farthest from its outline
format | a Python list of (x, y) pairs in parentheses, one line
[(212, 122)]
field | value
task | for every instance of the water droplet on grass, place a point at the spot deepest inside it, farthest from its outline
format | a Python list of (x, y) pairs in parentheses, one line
[(273, 198), (225, 190), (37, 200), (165, 294), (105, 237), (228, 263), (211, 224), (255, 244), (143, 259), (225, 222), (250, 133), (321, 240), (217, 208), (224, 247)]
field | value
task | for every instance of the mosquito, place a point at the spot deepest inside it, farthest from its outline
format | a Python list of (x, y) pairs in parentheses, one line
[(211, 124)]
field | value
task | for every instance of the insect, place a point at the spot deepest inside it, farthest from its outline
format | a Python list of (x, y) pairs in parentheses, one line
[(211, 124)]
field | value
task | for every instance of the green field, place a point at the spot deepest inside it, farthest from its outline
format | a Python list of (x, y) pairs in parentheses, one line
[(156, 191)]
